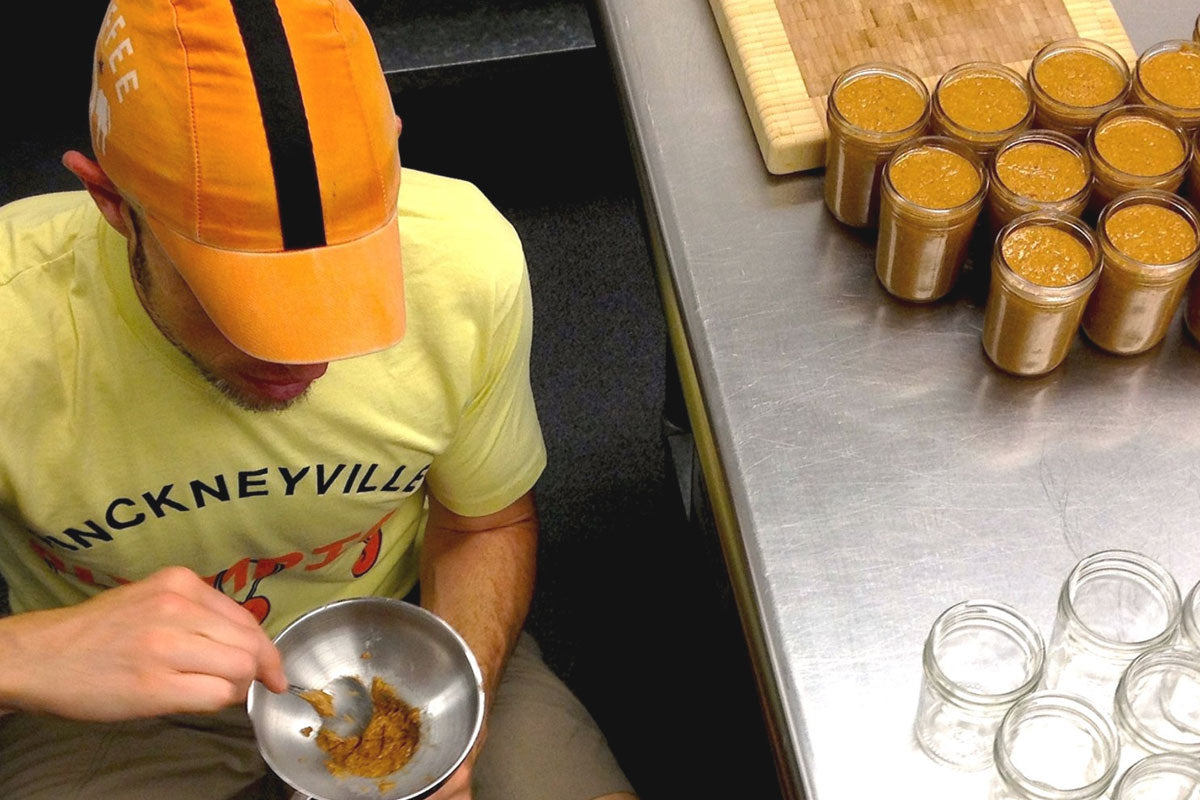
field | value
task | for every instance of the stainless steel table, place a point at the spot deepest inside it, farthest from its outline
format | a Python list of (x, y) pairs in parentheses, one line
[(876, 468)]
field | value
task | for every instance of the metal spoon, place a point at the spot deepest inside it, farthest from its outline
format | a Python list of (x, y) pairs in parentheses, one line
[(350, 703)]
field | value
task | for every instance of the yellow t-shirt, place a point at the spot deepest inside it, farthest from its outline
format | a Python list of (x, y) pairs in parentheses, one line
[(117, 457)]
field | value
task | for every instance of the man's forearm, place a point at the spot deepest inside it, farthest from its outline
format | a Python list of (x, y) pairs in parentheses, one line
[(477, 574)]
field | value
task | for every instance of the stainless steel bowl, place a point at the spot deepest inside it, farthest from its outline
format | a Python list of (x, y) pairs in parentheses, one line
[(424, 660)]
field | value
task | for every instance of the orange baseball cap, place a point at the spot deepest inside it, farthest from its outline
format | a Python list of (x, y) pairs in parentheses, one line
[(260, 140)]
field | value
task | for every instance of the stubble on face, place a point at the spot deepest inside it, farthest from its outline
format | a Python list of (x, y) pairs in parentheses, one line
[(142, 280)]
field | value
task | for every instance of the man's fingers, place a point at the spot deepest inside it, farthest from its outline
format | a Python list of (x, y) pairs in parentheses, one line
[(205, 657), (270, 669), (186, 583), (268, 665), (192, 692)]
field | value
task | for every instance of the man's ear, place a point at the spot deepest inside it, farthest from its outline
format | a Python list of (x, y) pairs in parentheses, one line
[(104, 193)]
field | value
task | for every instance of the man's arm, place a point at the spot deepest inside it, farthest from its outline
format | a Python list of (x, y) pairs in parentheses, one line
[(477, 574)]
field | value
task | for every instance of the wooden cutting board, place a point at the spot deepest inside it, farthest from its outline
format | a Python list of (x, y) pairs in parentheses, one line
[(787, 53)]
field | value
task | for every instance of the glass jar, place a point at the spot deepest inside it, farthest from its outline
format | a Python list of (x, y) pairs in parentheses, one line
[(1114, 606), (1119, 169), (1156, 80), (1028, 327), (1190, 626), (980, 657), (1191, 315), (1157, 707), (1025, 155), (1061, 100), (854, 154), (1136, 298), (1166, 776), (1054, 746), (925, 225), (956, 110), (1193, 175)]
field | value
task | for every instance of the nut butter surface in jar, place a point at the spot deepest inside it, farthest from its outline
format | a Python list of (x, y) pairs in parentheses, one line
[(1149, 244), (1075, 82), (1167, 77), (933, 190), (1038, 171), (873, 109), (1044, 267), (1136, 147), (981, 104)]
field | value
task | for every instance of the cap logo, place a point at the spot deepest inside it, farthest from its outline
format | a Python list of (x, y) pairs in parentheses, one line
[(297, 189), (112, 49)]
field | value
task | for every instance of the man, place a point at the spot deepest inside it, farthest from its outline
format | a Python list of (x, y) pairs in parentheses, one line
[(243, 380)]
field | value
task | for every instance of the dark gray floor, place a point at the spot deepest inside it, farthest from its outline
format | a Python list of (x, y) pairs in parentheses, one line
[(631, 607)]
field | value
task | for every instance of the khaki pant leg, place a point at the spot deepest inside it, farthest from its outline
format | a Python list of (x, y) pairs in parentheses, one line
[(180, 757), (542, 743)]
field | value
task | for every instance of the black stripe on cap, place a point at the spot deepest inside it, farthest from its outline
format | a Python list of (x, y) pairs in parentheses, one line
[(297, 190)]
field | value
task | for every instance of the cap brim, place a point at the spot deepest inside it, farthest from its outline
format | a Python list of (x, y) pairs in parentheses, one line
[(298, 306)]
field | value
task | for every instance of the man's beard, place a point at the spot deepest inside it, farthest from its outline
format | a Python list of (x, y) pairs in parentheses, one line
[(247, 402)]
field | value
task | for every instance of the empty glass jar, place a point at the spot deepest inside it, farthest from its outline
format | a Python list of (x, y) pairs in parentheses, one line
[(980, 657), (1166, 776), (1157, 708), (1114, 606), (1191, 619), (1054, 746)]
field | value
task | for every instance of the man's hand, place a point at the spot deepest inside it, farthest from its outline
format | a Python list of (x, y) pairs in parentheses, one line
[(167, 644)]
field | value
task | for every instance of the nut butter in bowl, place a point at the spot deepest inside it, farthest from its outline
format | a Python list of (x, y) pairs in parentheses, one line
[(1150, 245), (1167, 77), (981, 104), (873, 109), (933, 190), (1038, 170), (1074, 82), (1136, 147), (1044, 267)]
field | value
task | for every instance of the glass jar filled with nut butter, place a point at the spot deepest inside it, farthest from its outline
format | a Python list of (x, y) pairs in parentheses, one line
[(1167, 77), (981, 104), (1136, 147), (1044, 268), (1038, 170), (1075, 82), (1150, 245), (873, 109), (933, 190)]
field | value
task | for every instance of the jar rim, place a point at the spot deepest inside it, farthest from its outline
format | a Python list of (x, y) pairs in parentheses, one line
[(1077, 44), (1043, 136), (1153, 660), (1060, 221), (993, 68), (942, 143), (1156, 114), (1146, 567), (1175, 763), (1004, 615), (1162, 199), (880, 68), (1067, 704), (1191, 615), (1170, 45)]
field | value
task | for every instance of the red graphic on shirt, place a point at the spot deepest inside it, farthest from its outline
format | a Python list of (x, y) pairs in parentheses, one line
[(370, 551), (242, 580)]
